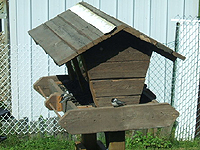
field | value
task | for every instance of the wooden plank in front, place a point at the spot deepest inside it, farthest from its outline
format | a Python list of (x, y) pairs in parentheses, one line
[(106, 101), (129, 117), (68, 34), (110, 70), (55, 47), (116, 87)]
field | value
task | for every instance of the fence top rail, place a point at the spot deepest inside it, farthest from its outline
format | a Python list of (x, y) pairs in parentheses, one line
[(185, 20)]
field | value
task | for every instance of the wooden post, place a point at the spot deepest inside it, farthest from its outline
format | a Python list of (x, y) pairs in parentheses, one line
[(115, 140), (70, 70), (89, 141)]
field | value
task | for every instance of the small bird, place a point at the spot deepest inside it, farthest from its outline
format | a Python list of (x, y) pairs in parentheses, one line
[(66, 97), (116, 103)]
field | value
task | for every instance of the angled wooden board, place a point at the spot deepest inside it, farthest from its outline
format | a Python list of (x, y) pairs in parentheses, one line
[(108, 70), (117, 87), (103, 15), (54, 46), (54, 99), (84, 28), (67, 33), (42, 83), (101, 119)]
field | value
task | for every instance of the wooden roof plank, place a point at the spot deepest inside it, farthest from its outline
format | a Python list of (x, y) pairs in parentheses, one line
[(78, 23), (67, 33), (53, 45)]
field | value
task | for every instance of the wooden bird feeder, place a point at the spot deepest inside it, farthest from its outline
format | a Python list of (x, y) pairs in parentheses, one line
[(106, 59)]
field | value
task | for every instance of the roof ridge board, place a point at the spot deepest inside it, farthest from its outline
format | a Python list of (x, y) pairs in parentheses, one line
[(79, 25), (100, 13), (160, 48)]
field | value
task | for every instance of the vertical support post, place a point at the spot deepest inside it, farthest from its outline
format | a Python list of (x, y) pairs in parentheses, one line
[(78, 73), (175, 64), (115, 140), (89, 141), (197, 126), (71, 72)]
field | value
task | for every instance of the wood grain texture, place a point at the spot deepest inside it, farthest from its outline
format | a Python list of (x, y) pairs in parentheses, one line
[(67, 33), (54, 46), (54, 99), (117, 87), (108, 70), (53, 87), (103, 15), (113, 51), (43, 83), (102, 119), (84, 28)]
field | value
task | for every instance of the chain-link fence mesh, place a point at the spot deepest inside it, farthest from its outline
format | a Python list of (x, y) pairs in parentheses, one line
[(178, 83), (175, 83), (20, 68)]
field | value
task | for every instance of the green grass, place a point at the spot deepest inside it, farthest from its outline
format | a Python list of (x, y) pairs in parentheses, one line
[(36, 143), (136, 142)]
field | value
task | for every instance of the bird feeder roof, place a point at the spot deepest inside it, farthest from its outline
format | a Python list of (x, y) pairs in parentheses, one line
[(81, 27)]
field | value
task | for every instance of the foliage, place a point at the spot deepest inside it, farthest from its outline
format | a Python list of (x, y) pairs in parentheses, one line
[(146, 141), (188, 144), (40, 143), (138, 141)]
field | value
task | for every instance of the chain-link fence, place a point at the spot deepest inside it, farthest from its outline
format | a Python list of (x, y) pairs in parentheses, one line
[(175, 83), (20, 68), (178, 83)]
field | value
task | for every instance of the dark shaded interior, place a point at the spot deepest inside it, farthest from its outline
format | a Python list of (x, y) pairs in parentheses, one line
[(73, 86), (111, 47)]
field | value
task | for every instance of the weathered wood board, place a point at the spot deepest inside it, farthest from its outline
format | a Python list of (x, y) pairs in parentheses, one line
[(125, 69), (67, 33), (53, 87), (52, 44), (81, 25), (117, 87), (113, 50), (54, 99), (44, 86), (102, 119)]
